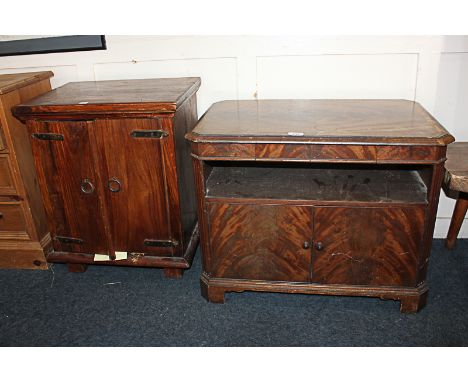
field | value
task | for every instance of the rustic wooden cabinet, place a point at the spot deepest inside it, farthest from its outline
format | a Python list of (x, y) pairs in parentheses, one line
[(318, 196), (115, 171), (24, 237)]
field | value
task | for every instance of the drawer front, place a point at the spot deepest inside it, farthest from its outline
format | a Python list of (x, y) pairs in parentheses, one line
[(318, 152), (12, 222), (414, 153), (2, 138), (231, 150), (315, 152), (7, 184), (344, 152), (282, 151)]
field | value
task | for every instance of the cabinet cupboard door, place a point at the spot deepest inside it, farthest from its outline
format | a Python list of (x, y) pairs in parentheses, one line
[(367, 246), (65, 169), (134, 172), (260, 242)]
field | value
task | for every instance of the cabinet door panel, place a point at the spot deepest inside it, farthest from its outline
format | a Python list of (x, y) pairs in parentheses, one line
[(134, 166), (260, 242), (63, 166), (367, 246)]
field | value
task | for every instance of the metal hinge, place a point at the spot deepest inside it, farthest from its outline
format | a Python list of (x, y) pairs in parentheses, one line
[(48, 136), (148, 134), (160, 243), (68, 240)]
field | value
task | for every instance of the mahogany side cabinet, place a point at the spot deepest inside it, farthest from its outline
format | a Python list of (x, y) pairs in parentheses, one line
[(330, 197), (24, 235), (115, 173)]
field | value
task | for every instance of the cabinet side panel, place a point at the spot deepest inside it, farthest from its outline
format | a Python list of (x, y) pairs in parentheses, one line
[(184, 122), (22, 156), (367, 246)]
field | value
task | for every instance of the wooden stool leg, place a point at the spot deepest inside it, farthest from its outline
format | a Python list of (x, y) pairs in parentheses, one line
[(77, 268), (457, 219)]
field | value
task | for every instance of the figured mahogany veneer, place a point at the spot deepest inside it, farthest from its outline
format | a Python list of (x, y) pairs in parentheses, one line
[(240, 238), (333, 197), (115, 172), (381, 249), (317, 152)]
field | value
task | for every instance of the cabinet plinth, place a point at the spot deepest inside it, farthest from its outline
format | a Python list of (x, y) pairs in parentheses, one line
[(115, 172), (333, 197)]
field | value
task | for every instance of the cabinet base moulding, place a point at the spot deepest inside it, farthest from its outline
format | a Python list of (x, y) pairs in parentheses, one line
[(412, 300)]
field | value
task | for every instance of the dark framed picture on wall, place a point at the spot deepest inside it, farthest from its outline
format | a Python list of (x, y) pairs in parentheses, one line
[(22, 45)]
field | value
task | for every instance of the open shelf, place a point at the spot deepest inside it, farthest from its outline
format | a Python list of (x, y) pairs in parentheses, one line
[(365, 183)]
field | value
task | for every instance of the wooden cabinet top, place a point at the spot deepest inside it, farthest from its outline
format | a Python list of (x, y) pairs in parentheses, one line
[(10, 82), (367, 121), (155, 95)]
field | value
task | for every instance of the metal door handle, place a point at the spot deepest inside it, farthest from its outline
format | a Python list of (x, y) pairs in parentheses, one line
[(86, 186), (114, 184), (319, 246)]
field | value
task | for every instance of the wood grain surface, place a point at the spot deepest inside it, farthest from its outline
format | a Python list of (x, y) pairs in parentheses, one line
[(367, 246), (260, 242), (15, 81), (12, 221), (359, 178), (63, 167), (457, 166), (135, 164), (134, 204), (313, 152), (396, 121), (183, 122), (132, 96), (7, 184), (24, 233)]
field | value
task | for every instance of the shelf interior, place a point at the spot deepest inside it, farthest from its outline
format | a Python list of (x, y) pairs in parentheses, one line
[(358, 183)]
